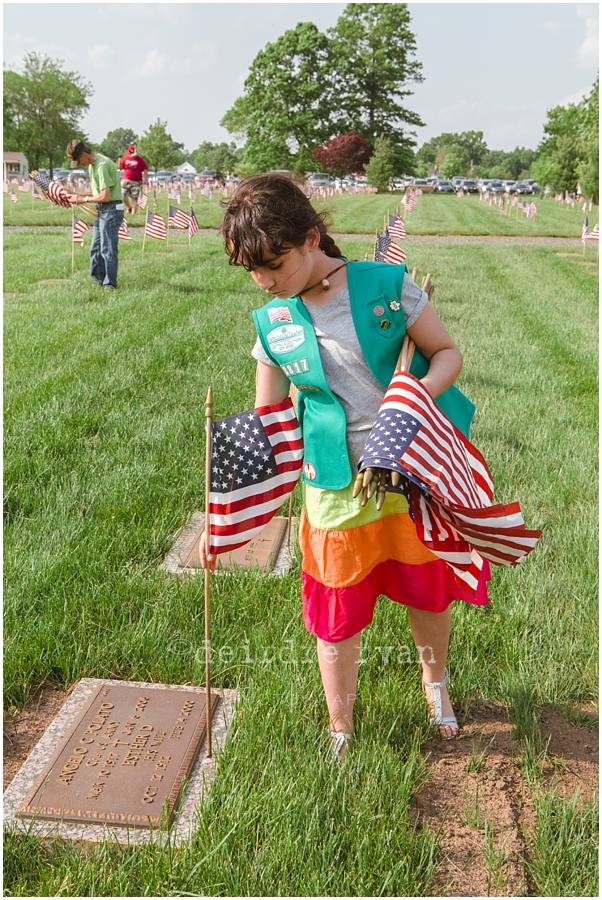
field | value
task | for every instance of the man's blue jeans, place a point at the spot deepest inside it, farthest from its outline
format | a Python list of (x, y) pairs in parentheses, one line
[(103, 252)]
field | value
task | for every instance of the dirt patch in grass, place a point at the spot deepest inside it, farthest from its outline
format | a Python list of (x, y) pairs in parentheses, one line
[(23, 728), (51, 280), (478, 798)]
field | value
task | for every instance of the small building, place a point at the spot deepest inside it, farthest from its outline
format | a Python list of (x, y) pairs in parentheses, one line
[(15, 165), (186, 169)]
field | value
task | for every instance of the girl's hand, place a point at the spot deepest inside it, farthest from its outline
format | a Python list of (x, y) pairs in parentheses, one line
[(212, 558)]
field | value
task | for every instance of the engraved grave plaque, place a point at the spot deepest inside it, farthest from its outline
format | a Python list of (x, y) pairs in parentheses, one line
[(262, 551), (127, 753)]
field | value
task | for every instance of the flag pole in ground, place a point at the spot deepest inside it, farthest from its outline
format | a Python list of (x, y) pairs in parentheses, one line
[(72, 243), (209, 439), (144, 237), (167, 241)]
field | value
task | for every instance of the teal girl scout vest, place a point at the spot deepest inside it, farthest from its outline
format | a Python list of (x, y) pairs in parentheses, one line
[(288, 337)]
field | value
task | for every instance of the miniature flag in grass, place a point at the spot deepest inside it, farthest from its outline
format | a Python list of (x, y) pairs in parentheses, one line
[(450, 487), (79, 227), (531, 210), (396, 227), (594, 234), (584, 230), (178, 218), (5, 187), (36, 194), (142, 201), (155, 226), (123, 233), (24, 187), (256, 459), (155, 198), (13, 197), (193, 225), (388, 252), (191, 195)]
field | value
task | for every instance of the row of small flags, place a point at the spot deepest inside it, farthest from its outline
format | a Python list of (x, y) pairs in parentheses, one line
[(154, 226)]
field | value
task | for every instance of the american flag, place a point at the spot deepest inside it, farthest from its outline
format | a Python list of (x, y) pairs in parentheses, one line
[(584, 230), (531, 210), (396, 227), (409, 203), (594, 234), (388, 252), (5, 187), (142, 200), (155, 226), (55, 193), (514, 201), (257, 458), (123, 233), (79, 226), (280, 314), (174, 194), (178, 218), (459, 193), (191, 195), (155, 198), (36, 194), (13, 197), (450, 486), (193, 225), (24, 187), (501, 205)]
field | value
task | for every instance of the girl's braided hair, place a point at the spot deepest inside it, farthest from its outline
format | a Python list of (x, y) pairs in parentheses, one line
[(266, 215)]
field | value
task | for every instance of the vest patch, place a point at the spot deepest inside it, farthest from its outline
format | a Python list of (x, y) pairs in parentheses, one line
[(309, 471), (296, 367), (286, 338)]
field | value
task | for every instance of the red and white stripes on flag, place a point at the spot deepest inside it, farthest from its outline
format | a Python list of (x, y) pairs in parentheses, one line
[(451, 489), (142, 200), (584, 230), (397, 227), (594, 234), (155, 226), (409, 203), (79, 227), (178, 218), (123, 233), (280, 314), (55, 193), (193, 225), (13, 197), (394, 255), (256, 459)]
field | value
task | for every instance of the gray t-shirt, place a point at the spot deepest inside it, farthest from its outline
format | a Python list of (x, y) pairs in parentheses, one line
[(345, 368)]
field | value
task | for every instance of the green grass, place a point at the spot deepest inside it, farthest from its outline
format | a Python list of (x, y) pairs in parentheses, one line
[(439, 214), (104, 450)]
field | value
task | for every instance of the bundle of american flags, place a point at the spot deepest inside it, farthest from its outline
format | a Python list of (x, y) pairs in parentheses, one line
[(52, 190), (385, 250), (450, 487), (256, 459), (79, 227)]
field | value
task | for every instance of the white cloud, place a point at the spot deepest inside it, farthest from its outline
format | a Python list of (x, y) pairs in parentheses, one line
[(101, 55), (587, 53), (156, 64), (574, 98), (17, 45)]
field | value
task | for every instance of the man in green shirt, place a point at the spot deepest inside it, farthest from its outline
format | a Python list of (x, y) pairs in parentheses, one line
[(105, 188)]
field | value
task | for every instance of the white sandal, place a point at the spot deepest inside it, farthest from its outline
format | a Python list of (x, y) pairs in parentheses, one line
[(438, 719), (340, 738)]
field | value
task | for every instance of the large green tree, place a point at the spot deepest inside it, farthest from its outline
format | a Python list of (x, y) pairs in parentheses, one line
[(381, 167), (220, 157), (282, 112), (116, 143), (44, 105), (371, 63), (569, 151), (468, 148), (159, 148)]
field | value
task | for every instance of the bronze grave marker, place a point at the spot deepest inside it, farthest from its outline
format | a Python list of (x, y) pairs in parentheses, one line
[(129, 751), (262, 551)]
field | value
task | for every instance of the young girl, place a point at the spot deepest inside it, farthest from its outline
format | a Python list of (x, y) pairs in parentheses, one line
[(335, 328)]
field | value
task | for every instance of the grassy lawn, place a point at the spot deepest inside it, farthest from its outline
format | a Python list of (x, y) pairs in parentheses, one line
[(363, 213), (104, 462)]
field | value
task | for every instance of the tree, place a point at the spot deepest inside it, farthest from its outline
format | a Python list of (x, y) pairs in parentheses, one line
[(469, 147), (116, 143), (455, 162), (159, 148), (370, 65), (344, 154), (220, 157), (381, 167), (282, 109), (46, 105), (569, 151)]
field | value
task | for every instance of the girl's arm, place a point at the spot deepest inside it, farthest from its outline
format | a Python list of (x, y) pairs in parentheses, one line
[(435, 344), (271, 386)]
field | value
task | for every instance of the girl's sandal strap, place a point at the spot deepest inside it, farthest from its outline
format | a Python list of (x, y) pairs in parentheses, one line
[(340, 738)]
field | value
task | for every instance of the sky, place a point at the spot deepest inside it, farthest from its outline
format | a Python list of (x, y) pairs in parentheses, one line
[(490, 67)]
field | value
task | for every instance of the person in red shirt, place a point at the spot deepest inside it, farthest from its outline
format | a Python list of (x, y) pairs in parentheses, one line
[(134, 176)]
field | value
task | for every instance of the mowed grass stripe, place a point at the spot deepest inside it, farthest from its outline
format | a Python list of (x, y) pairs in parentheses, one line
[(104, 461)]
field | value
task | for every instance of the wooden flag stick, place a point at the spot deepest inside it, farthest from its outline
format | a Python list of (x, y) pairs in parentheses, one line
[(144, 236), (209, 439), (72, 243)]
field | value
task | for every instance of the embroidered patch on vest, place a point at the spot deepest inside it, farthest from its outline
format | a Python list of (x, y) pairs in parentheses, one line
[(296, 367), (309, 471), (280, 314), (286, 338)]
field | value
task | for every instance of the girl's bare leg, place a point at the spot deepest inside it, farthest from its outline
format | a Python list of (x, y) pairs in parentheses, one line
[(339, 664), (431, 635)]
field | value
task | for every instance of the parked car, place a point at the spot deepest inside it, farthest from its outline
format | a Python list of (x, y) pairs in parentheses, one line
[(396, 184), (188, 177), (77, 174), (444, 187), (457, 181), (424, 186), (522, 187), (509, 186), (497, 187), (286, 172), (469, 184), (320, 179), (432, 179), (207, 175), (60, 174)]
